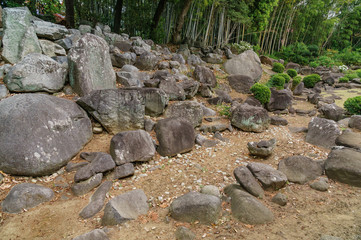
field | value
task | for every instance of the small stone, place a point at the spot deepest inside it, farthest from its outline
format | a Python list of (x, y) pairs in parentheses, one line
[(280, 199), (97, 130), (320, 185), (97, 234), (184, 233), (86, 186)]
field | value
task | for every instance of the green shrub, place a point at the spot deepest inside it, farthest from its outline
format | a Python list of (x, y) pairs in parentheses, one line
[(314, 64), (314, 49), (351, 76), (224, 110), (343, 80), (353, 105), (242, 46), (326, 61), (311, 80), (261, 92), (292, 72), (296, 81), (285, 76), (358, 72), (278, 67), (277, 81)]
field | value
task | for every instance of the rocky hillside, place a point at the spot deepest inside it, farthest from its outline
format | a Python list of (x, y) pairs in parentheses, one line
[(106, 136)]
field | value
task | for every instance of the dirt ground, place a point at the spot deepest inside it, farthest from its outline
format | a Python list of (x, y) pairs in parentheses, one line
[(308, 214)]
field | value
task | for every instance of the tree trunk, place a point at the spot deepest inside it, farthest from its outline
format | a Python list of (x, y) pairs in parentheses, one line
[(69, 13), (205, 39), (117, 16), (180, 22), (156, 18)]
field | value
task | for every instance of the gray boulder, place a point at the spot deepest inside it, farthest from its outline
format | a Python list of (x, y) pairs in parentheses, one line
[(173, 89), (190, 88), (294, 66), (205, 142), (280, 99), (247, 208), (269, 177), (355, 122), (90, 67), (183, 233), (262, 148), (175, 135), (246, 179), (250, 118), (278, 121), (47, 140), (179, 58), (332, 111), (213, 58), (102, 162), (97, 234), (322, 132), (280, 199), (123, 45), (86, 186), (194, 60), (205, 76), (121, 59), (125, 207), (189, 110), (96, 201), (299, 89), (300, 169), (84, 29), (320, 185), (115, 109), (50, 30), (241, 83), (146, 61), (51, 49), (211, 190), (122, 171), (3, 91), (344, 165), (19, 37), (156, 100), (132, 146), (26, 196), (130, 79), (36, 72), (246, 63), (195, 206), (349, 139)]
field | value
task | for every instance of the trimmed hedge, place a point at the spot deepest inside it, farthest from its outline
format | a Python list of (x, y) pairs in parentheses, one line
[(285, 76), (353, 105), (292, 72), (277, 81), (311, 80), (261, 92), (296, 81), (278, 67), (343, 80)]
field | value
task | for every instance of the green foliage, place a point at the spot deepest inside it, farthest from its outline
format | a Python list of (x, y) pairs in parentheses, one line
[(353, 105), (349, 57), (343, 80), (358, 72), (292, 72), (285, 76), (278, 67), (325, 61), (261, 92), (314, 64), (351, 76), (298, 53), (311, 80), (240, 47), (296, 80), (277, 81), (224, 110)]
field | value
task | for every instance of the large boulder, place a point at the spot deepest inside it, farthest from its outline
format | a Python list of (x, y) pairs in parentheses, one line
[(190, 110), (349, 139), (36, 72), (25, 196), (175, 135), (322, 132), (51, 49), (146, 61), (269, 177), (121, 59), (250, 118), (246, 179), (355, 122), (280, 99), (90, 67), (173, 89), (46, 132), (246, 63), (125, 207), (344, 165), (19, 37), (247, 208), (195, 206), (241, 83), (50, 30), (332, 111), (115, 109), (300, 169), (205, 76), (156, 100), (132, 146)]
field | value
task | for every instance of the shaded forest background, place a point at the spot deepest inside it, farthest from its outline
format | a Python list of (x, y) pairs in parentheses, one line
[(326, 32)]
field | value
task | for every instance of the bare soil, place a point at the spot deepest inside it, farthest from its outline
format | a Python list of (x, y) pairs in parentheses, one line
[(308, 214)]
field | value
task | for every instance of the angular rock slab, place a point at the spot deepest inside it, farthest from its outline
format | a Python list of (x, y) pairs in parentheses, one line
[(90, 67), (19, 37), (132, 146), (300, 169), (269, 177), (280, 99), (322, 132), (246, 179), (25, 196), (125, 207), (190, 110), (344, 165), (250, 118), (246, 63), (86, 186), (349, 139), (36, 72), (247, 208), (205, 76), (262, 148), (51, 49), (46, 132), (355, 122), (97, 234), (241, 83), (115, 109), (102, 162), (175, 135), (50, 30), (195, 206)]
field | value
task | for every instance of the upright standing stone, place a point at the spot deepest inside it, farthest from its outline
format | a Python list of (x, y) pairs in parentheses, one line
[(19, 35), (90, 67)]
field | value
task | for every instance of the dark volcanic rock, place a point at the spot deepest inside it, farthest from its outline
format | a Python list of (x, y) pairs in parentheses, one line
[(322, 132), (249, 118)]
